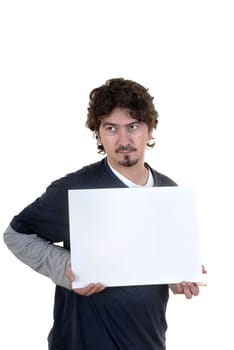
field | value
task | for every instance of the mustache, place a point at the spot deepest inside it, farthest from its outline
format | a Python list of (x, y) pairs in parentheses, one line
[(127, 148)]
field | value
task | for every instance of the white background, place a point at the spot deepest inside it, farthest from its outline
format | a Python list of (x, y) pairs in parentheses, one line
[(52, 54)]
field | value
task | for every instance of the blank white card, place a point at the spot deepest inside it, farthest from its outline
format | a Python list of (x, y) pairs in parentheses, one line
[(134, 236)]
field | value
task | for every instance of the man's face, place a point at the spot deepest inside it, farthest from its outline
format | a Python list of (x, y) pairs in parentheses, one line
[(123, 138)]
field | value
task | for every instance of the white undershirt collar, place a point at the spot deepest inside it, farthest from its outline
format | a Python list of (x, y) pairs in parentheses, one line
[(128, 183)]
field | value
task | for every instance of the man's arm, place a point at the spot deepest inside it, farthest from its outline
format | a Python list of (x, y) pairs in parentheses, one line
[(39, 254), (46, 258)]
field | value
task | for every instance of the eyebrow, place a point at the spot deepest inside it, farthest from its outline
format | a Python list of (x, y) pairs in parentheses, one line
[(105, 124), (115, 124)]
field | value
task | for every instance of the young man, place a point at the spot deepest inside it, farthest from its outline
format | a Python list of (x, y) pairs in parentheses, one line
[(122, 115)]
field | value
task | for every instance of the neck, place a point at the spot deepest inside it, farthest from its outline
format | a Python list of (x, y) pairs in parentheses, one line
[(137, 173)]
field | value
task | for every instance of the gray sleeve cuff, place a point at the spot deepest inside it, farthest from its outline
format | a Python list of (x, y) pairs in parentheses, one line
[(41, 255)]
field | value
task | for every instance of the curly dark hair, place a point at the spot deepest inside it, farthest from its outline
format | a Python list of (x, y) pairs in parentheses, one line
[(121, 93)]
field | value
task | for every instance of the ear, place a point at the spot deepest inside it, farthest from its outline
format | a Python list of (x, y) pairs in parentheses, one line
[(98, 138), (150, 137)]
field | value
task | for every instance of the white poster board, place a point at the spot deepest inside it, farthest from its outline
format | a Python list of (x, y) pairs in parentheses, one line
[(134, 236)]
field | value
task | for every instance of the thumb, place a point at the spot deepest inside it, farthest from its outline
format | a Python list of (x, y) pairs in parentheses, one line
[(69, 274)]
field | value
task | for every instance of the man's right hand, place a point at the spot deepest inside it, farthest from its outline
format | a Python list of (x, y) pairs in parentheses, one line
[(88, 290)]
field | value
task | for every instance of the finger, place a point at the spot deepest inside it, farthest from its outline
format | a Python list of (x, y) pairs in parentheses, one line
[(203, 269), (69, 275), (194, 288), (190, 289), (89, 289), (97, 288), (85, 290), (177, 288), (187, 291)]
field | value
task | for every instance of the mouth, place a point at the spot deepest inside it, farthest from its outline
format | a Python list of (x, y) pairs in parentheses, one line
[(125, 152)]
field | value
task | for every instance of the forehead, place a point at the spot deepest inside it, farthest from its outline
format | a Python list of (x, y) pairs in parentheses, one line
[(118, 116)]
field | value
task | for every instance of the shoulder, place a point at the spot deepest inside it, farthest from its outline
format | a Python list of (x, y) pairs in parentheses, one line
[(161, 179), (80, 178)]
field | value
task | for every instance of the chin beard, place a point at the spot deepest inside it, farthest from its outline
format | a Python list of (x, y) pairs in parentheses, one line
[(128, 162)]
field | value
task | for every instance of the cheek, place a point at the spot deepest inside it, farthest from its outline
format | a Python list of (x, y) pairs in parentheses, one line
[(107, 143), (144, 139)]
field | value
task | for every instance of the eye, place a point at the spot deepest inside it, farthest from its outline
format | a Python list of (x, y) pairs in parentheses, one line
[(110, 129), (134, 127)]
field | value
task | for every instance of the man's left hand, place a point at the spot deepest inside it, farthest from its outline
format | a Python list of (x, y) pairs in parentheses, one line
[(189, 289)]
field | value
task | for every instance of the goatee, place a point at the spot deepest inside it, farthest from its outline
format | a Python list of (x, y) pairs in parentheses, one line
[(128, 162)]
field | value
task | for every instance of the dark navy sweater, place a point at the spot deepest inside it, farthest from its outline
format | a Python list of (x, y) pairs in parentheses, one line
[(124, 318)]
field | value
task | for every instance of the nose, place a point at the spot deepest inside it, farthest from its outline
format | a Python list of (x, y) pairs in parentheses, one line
[(123, 136)]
